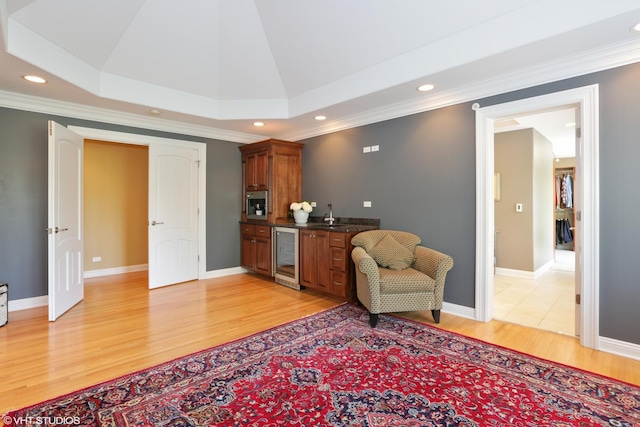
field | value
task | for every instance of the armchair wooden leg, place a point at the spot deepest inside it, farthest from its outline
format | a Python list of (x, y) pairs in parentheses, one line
[(436, 315), (373, 319)]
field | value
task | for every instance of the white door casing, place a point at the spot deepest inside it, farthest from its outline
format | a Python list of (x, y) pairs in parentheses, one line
[(146, 140), (173, 215), (65, 232), (587, 173)]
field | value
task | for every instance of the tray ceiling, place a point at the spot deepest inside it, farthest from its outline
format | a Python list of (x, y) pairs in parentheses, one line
[(224, 64)]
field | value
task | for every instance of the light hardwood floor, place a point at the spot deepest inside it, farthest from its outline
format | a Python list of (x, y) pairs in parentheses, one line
[(122, 327)]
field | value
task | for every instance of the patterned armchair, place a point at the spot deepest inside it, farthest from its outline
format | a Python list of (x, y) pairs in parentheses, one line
[(394, 274)]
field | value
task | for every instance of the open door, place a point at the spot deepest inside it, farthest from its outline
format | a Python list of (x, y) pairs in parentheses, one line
[(66, 282), (577, 227), (173, 215)]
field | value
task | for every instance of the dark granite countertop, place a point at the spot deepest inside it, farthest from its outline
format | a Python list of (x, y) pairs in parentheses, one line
[(342, 225)]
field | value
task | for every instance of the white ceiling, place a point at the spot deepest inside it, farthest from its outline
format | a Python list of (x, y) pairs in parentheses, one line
[(213, 67), (558, 126)]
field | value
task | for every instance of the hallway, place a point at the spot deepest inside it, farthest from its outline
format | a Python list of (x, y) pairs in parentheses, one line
[(545, 303)]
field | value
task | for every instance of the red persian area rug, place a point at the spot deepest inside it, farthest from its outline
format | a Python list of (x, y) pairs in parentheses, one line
[(333, 369)]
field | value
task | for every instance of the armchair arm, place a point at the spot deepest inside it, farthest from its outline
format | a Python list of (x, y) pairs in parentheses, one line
[(367, 279), (435, 265), (431, 262), (365, 263)]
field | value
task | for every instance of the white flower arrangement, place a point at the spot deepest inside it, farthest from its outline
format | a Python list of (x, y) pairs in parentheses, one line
[(305, 206)]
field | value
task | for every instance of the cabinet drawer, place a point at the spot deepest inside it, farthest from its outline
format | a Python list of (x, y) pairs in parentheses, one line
[(247, 229), (339, 283), (339, 259), (262, 231), (338, 240)]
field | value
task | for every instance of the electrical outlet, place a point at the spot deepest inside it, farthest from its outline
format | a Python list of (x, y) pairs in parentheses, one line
[(518, 207), (96, 259), (313, 204)]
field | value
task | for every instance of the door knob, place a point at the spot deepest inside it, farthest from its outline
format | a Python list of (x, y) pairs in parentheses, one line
[(156, 223)]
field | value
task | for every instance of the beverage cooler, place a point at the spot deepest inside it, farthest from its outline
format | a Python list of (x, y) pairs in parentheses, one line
[(285, 256)]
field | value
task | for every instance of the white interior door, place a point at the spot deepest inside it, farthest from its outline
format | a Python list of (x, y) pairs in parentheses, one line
[(577, 227), (66, 282), (173, 215)]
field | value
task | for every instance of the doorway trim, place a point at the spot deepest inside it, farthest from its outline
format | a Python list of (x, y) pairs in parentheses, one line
[(587, 172), (146, 140)]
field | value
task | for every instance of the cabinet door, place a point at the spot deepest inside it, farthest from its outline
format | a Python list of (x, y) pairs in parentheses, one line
[(248, 252), (308, 255), (263, 255), (323, 261), (262, 171), (250, 172)]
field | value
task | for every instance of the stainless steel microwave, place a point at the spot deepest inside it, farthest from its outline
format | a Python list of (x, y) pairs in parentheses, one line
[(256, 207)]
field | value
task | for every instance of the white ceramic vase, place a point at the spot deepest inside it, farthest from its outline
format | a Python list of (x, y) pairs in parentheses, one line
[(300, 216)]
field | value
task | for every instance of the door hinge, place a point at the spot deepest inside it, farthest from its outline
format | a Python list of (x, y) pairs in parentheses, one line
[(50, 128), (578, 299), (578, 132)]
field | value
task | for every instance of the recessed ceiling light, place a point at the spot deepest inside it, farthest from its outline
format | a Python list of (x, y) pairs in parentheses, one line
[(321, 117), (636, 27), (426, 88), (34, 79), (258, 124)]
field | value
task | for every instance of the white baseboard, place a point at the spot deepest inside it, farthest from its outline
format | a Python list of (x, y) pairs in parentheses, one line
[(24, 303), (459, 310), (523, 273), (115, 270), (621, 348), (223, 272)]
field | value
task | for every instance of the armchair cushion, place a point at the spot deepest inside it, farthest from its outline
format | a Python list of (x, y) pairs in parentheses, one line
[(408, 281), (389, 253)]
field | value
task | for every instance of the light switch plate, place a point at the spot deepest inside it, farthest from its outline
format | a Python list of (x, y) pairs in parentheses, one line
[(375, 148), (366, 149), (366, 204)]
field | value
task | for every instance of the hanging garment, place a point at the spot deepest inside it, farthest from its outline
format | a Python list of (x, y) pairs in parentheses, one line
[(567, 234), (563, 232), (566, 191)]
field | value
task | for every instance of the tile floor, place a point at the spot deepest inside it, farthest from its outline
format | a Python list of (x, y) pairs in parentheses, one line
[(544, 303)]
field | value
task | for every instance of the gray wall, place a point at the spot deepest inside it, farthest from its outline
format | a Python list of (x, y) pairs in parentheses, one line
[(423, 181), (23, 198)]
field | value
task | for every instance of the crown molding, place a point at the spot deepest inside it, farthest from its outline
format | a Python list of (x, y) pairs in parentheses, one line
[(568, 67), (78, 111)]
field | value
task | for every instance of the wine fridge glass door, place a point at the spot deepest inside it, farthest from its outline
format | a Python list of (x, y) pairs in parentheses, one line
[(285, 254)]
